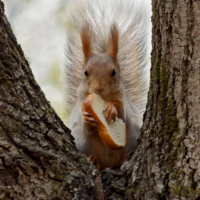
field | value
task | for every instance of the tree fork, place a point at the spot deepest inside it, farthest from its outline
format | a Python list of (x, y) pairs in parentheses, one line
[(38, 159)]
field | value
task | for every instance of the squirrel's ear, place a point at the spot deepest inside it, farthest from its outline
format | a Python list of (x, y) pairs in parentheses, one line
[(113, 42), (86, 44)]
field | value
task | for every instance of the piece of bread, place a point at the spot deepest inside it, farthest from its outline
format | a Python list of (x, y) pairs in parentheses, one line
[(113, 134)]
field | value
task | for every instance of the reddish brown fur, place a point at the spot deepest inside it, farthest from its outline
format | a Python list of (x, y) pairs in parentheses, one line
[(126, 89), (113, 43), (100, 80), (86, 44)]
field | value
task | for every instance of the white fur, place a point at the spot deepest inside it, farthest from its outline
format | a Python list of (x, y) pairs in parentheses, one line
[(133, 21)]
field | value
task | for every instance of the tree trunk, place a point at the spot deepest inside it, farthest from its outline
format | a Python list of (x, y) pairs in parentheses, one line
[(166, 164), (38, 159)]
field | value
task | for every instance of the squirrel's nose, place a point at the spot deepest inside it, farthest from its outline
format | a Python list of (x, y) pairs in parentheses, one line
[(99, 90)]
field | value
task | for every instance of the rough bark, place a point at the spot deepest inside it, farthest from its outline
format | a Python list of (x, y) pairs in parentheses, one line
[(38, 159), (168, 164)]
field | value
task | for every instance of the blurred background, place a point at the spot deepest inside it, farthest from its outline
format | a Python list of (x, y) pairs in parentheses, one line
[(40, 28)]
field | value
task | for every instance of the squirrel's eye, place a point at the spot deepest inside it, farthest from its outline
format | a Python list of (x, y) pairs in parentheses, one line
[(113, 72), (86, 72)]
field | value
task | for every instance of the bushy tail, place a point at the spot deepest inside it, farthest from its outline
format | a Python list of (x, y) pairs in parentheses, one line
[(133, 22)]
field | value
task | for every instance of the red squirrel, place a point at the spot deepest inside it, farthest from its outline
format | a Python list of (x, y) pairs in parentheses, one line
[(110, 59)]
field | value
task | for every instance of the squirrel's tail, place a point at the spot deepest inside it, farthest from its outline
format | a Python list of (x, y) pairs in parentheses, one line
[(133, 22)]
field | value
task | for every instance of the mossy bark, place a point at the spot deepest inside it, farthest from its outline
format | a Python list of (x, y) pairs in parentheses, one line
[(38, 159)]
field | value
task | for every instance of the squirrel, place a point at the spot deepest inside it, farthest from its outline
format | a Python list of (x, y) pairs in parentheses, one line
[(108, 53)]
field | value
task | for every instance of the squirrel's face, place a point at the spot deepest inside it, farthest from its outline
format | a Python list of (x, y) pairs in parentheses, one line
[(101, 75)]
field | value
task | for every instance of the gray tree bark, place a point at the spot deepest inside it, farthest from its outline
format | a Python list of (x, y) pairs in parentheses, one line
[(38, 159)]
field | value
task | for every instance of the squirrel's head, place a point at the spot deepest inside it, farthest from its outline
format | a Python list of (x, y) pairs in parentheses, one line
[(101, 72)]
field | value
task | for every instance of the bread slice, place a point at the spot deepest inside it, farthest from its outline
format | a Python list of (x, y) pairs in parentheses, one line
[(113, 134)]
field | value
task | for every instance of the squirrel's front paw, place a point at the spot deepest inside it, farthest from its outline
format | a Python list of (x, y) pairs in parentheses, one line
[(110, 111), (89, 120)]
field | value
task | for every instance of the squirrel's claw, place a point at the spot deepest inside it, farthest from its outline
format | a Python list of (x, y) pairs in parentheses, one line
[(88, 119), (94, 161), (110, 111), (87, 114)]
